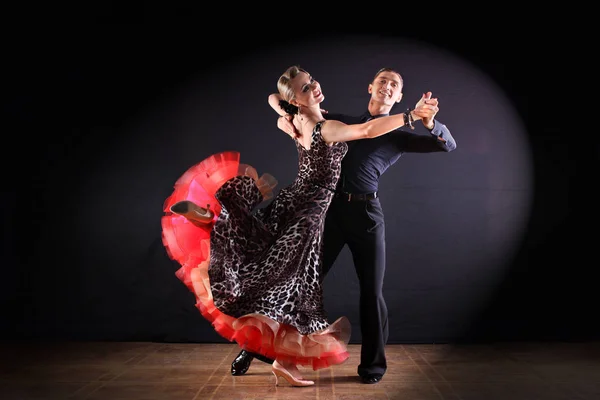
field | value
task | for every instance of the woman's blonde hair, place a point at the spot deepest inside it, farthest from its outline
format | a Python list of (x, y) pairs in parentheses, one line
[(284, 84)]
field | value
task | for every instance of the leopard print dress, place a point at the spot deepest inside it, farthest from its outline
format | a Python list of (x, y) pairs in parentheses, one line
[(267, 261)]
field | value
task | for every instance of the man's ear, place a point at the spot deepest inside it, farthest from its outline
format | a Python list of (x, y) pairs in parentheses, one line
[(399, 98), (370, 89)]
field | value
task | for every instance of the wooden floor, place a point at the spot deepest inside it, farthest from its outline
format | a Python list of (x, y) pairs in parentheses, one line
[(112, 371)]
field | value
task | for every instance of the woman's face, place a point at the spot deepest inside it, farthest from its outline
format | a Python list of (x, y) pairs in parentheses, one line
[(307, 91)]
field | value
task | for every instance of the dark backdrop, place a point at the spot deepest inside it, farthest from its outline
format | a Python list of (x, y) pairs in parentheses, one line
[(494, 241)]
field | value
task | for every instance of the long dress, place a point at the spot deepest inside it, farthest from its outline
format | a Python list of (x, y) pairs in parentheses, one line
[(255, 271)]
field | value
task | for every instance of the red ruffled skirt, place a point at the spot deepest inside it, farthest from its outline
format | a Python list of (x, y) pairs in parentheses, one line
[(189, 245)]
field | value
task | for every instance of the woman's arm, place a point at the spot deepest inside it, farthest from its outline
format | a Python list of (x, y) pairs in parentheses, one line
[(284, 122), (274, 99), (336, 131)]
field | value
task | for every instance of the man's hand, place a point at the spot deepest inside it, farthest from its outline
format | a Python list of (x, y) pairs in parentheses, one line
[(285, 124), (426, 108), (428, 113)]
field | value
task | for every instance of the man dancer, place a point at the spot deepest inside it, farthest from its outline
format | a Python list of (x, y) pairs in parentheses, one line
[(355, 217)]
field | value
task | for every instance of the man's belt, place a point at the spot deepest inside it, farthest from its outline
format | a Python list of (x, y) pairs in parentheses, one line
[(356, 197)]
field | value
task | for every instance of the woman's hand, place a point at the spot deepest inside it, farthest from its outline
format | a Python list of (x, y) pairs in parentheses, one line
[(285, 124)]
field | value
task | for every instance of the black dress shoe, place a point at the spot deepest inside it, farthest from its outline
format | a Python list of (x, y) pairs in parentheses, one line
[(242, 362), (371, 378)]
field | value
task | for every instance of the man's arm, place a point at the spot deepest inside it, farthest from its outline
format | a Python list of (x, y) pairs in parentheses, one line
[(444, 138), (440, 139)]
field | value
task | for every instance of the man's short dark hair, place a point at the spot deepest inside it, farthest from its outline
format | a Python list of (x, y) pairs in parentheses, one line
[(387, 69)]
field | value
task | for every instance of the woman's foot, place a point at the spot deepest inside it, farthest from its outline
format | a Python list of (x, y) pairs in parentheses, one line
[(290, 373), (197, 215)]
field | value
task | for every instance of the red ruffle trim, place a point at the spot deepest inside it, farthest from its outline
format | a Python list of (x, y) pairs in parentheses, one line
[(189, 245)]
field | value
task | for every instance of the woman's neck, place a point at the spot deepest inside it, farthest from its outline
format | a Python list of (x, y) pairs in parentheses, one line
[(305, 122), (311, 113)]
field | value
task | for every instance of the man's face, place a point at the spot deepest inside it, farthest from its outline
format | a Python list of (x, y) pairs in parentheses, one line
[(386, 88)]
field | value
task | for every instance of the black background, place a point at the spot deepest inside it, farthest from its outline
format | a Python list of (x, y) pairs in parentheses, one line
[(72, 86)]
